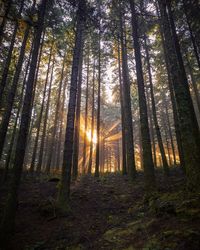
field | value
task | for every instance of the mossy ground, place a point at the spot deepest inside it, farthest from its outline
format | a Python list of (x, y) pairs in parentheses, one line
[(109, 212)]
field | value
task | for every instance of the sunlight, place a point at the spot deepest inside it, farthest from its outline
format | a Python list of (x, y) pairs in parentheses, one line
[(94, 139), (114, 137), (114, 126)]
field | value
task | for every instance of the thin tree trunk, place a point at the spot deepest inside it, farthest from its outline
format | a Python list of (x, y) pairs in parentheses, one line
[(193, 24), (166, 136), (41, 151), (8, 219), (9, 154), (3, 23), (130, 156), (188, 123), (98, 96), (145, 136), (9, 56), (77, 121), (171, 83), (32, 167), (124, 167), (11, 95), (193, 41), (151, 129), (86, 116), (158, 133), (52, 143), (169, 127), (61, 125), (194, 85), (33, 110), (64, 191), (92, 123)]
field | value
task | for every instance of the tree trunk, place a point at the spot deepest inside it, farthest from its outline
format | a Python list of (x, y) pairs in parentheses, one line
[(3, 23), (188, 123), (193, 40), (151, 127), (9, 56), (8, 219), (124, 167), (192, 9), (158, 133), (194, 84), (14, 135), (41, 151), (169, 126), (11, 95), (77, 121), (64, 191), (86, 116), (130, 156), (52, 143), (171, 83), (145, 136), (32, 167), (98, 96), (92, 124), (61, 126)]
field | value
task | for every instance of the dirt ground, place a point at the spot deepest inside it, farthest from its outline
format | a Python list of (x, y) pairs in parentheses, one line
[(107, 213)]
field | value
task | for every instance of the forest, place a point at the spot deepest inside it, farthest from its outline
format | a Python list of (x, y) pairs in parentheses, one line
[(99, 124)]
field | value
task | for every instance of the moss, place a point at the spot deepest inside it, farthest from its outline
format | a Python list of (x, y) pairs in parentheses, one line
[(129, 248), (113, 220), (174, 239), (120, 234), (189, 209), (173, 196), (152, 245), (193, 213)]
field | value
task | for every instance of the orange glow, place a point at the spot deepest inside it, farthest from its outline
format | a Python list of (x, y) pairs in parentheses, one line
[(94, 139), (88, 132), (114, 137)]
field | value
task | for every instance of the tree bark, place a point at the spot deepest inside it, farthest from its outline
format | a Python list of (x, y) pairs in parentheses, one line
[(130, 156), (11, 95), (124, 166), (92, 123), (52, 143), (169, 126), (9, 56), (86, 116), (41, 151), (61, 126), (3, 23), (145, 135), (32, 167), (77, 121), (64, 191), (157, 127), (172, 95), (14, 134), (98, 96), (188, 123), (8, 219)]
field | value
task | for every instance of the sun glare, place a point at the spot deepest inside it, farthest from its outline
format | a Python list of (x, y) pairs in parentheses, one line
[(88, 134)]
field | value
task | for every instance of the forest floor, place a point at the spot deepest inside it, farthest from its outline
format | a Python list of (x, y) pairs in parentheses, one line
[(108, 213)]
